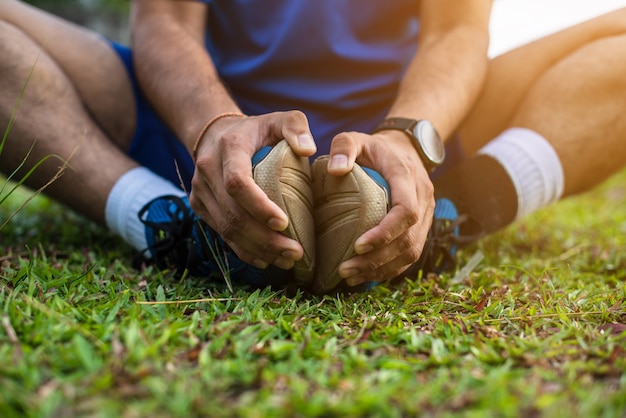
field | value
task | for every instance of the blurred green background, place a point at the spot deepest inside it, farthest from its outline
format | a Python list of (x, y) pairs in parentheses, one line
[(109, 17)]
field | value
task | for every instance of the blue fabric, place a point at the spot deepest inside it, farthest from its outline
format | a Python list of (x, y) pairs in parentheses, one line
[(154, 145), (375, 175), (339, 61), (170, 217)]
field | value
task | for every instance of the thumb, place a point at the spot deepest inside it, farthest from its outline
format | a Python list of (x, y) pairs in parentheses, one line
[(294, 127), (343, 152)]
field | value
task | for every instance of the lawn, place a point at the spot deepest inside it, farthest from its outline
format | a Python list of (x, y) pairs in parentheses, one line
[(536, 329)]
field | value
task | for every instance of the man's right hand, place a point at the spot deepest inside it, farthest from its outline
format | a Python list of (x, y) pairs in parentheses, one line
[(225, 195), (179, 79)]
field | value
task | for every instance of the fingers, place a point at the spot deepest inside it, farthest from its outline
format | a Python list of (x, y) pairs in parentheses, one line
[(412, 205), (239, 185), (253, 241), (224, 173), (385, 263), (386, 250), (226, 196)]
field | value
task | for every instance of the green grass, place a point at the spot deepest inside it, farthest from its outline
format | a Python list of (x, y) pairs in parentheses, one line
[(535, 330)]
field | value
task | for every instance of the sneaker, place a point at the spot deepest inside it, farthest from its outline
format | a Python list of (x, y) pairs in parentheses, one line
[(179, 240), (345, 207), (286, 179), (444, 238)]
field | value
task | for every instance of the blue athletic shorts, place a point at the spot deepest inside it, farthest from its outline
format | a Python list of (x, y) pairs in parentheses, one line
[(156, 147)]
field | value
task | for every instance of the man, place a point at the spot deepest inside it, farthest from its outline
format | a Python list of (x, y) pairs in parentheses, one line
[(348, 78)]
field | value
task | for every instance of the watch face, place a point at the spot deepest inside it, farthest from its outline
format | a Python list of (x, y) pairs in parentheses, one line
[(430, 141)]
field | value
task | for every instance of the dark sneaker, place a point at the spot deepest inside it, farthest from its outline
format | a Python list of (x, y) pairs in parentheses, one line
[(179, 240), (444, 238), (345, 207)]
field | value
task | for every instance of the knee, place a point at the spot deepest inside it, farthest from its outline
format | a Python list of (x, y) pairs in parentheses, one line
[(613, 23), (11, 39), (24, 60)]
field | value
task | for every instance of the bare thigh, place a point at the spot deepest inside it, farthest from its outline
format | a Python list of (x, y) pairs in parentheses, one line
[(88, 60), (512, 75)]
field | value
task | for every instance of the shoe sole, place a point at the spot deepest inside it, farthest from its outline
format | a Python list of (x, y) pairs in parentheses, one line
[(345, 208), (286, 179)]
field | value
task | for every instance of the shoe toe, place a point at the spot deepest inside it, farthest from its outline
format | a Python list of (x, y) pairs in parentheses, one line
[(286, 179), (345, 208)]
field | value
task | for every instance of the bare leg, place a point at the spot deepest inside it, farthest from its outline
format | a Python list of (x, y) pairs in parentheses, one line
[(569, 87), (79, 97)]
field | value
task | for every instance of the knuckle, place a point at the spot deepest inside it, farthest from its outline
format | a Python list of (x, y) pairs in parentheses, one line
[(411, 247), (235, 219), (371, 267), (194, 202), (406, 243), (230, 140), (196, 184), (227, 228), (386, 236), (428, 188), (413, 254), (197, 206), (269, 247), (203, 160), (295, 116), (234, 183), (396, 273), (344, 139), (410, 216), (378, 276)]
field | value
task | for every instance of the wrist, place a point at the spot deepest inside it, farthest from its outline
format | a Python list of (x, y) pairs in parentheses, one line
[(424, 138), (208, 126)]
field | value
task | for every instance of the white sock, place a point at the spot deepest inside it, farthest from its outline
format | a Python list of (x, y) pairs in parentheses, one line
[(131, 192), (533, 165)]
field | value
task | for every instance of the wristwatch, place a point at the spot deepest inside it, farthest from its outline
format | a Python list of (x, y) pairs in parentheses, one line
[(426, 139)]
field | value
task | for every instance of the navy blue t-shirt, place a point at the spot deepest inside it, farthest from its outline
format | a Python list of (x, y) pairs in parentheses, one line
[(338, 61)]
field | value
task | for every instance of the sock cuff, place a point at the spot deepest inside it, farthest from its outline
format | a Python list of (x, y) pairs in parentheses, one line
[(533, 166), (128, 196)]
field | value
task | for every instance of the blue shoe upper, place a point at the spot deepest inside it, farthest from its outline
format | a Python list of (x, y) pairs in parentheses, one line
[(446, 212), (260, 155), (180, 240), (375, 175)]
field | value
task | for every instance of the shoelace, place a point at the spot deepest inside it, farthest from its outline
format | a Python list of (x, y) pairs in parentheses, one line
[(438, 252), (174, 245)]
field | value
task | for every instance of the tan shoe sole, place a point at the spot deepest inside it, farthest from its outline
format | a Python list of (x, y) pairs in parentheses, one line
[(345, 208), (286, 179)]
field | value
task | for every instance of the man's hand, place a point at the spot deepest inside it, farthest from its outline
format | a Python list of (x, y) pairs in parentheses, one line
[(388, 249), (441, 83), (225, 195)]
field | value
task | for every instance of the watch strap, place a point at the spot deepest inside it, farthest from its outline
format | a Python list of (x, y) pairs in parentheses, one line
[(407, 126), (402, 124)]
